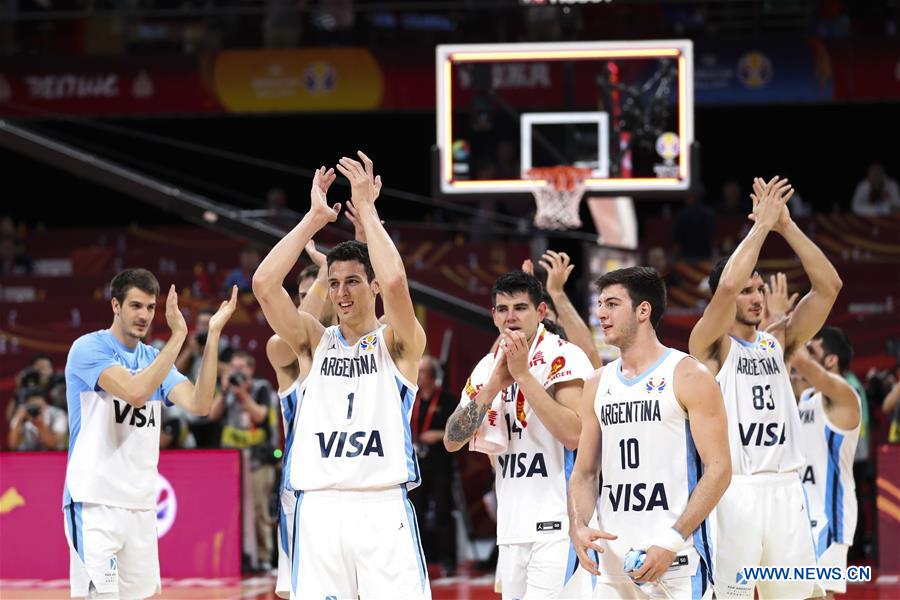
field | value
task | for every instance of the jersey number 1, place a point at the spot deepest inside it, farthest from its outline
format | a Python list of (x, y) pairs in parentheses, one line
[(349, 405)]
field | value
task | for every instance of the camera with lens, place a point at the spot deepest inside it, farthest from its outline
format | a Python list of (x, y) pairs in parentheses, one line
[(33, 410), (201, 337), (237, 378)]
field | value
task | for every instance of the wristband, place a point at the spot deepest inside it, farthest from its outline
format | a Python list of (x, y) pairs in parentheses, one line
[(669, 539)]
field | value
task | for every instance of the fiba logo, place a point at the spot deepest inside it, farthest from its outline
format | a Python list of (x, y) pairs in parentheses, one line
[(754, 69), (166, 506), (319, 78), (668, 146)]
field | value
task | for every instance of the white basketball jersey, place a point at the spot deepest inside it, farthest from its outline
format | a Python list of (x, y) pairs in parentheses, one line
[(763, 423), (532, 475), (288, 400), (828, 475), (352, 423), (649, 465)]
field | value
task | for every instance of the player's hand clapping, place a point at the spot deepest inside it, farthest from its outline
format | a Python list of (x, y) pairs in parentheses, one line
[(558, 270), (174, 318), (769, 200), (318, 207), (364, 185)]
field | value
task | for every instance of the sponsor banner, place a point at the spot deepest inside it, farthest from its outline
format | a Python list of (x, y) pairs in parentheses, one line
[(754, 71), (298, 80), (121, 86), (198, 514)]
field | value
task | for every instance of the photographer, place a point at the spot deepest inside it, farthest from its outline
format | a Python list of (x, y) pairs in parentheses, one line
[(40, 373), (246, 407), (204, 430), (37, 425)]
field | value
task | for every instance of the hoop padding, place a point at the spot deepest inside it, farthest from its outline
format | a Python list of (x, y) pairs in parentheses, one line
[(557, 202)]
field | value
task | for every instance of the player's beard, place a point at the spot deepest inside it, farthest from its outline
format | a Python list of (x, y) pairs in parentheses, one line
[(744, 319)]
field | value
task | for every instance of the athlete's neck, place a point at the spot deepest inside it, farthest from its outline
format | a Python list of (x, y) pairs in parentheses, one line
[(128, 341), (641, 353), (743, 331), (353, 331)]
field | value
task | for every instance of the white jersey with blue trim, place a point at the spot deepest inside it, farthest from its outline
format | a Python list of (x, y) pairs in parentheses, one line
[(649, 466), (828, 474), (763, 423), (113, 446), (352, 419), (531, 477), (288, 400)]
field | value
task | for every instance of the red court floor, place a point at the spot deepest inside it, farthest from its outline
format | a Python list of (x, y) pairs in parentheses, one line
[(885, 587)]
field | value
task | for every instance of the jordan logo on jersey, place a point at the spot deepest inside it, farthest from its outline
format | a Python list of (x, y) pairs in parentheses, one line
[(349, 367), (140, 417), (350, 445), (763, 434), (633, 497), (518, 464)]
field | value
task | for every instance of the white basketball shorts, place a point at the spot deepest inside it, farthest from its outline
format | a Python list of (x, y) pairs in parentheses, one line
[(763, 520), (350, 544), (285, 542), (547, 568), (112, 550)]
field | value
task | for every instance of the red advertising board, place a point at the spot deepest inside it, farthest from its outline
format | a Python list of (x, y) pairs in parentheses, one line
[(888, 503), (198, 514)]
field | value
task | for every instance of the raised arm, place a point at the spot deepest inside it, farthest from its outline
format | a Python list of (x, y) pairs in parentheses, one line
[(138, 388), (300, 332), (316, 302), (584, 480), (556, 412), (558, 271), (707, 337), (842, 404), (283, 361), (197, 399), (813, 309), (408, 335), (697, 391)]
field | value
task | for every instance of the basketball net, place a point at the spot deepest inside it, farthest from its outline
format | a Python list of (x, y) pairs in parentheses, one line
[(558, 200)]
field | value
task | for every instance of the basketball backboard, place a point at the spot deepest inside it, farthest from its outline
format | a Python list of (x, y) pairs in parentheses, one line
[(623, 109)]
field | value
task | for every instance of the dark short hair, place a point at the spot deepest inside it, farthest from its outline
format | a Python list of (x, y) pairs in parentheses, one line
[(309, 271), (515, 282), (643, 284), (245, 355), (141, 279), (39, 356), (352, 250), (835, 341), (546, 299), (716, 274)]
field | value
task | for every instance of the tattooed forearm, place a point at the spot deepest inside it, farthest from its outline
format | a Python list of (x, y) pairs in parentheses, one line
[(464, 421)]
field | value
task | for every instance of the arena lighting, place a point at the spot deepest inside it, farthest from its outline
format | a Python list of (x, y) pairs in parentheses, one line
[(448, 55)]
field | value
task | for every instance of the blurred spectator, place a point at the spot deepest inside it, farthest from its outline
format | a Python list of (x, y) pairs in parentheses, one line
[(433, 499), (656, 258), (246, 407), (13, 260), (242, 275), (305, 281), (37, 425), (40, 373), (877, 194), (693, 230), (891, 407), (205, 432), (732, 201), (175, 430)]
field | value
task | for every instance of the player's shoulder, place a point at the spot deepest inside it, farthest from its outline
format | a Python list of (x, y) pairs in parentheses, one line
[(95, 341)]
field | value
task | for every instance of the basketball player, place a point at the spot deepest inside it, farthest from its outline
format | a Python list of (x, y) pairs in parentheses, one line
[(290, 371), (763, 518), (115, 386), (654, 426), (355, 532), (539, 376), (830, 420)]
